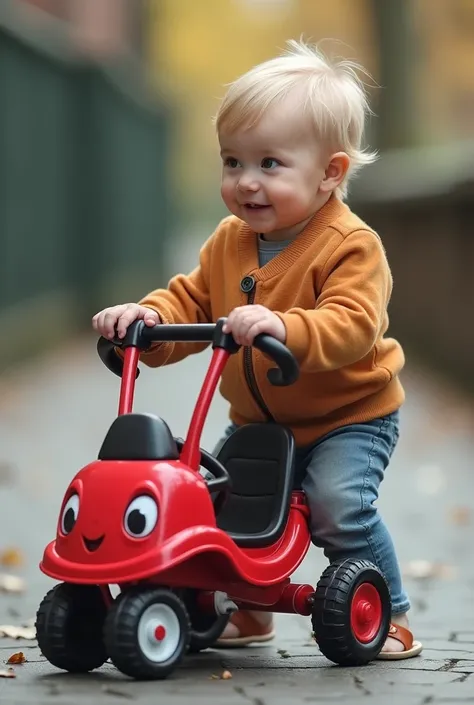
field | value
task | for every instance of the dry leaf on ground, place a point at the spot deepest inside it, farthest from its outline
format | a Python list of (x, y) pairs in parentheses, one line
[(11, 557), (9, 673), (11, 632), (116, 692), (460, 516), (424, 570), (11, 583), (17, 658), (430, 479)]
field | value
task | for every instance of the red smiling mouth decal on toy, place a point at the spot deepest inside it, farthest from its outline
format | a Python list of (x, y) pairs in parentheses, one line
[(92, 544)]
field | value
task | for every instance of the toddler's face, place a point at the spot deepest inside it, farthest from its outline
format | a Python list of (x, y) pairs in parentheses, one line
[(272, 172)]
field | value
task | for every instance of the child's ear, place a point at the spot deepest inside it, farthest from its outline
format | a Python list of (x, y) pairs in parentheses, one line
[(335, 172)]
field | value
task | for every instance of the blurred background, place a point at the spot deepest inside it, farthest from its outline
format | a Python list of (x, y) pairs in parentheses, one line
[(109, 183), (109, 157), (109, 161)]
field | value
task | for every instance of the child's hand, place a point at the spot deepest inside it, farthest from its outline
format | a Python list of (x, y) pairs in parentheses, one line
[(246, 322), (121, 316)]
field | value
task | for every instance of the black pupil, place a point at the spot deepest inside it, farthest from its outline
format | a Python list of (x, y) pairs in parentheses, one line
[(69, 520), (136, 522)]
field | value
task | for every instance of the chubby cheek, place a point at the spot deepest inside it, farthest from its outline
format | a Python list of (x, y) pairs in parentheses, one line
[(291, 202), (228, 193)]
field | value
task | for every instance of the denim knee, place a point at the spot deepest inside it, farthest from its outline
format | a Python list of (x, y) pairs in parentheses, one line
[(337, 518), (341, 482)]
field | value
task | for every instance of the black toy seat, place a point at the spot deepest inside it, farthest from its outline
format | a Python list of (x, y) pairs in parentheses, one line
[(260, 461), (139, 437)]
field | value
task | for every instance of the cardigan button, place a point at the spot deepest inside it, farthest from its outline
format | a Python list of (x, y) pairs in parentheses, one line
[(247, 284)]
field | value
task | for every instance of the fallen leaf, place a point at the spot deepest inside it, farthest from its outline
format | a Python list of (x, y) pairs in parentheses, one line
[(109, 690), (283, 653), (11, 583), (17, 658), (11, 557), (226, 675), (448, 572), (460, 516), (9, 673), (12, 632), (430, 479), (213, 677), (425, 570)]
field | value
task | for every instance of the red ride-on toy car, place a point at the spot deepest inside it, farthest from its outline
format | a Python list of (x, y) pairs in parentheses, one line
[(186, 551)]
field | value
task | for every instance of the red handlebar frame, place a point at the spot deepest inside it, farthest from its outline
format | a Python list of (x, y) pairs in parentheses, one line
[(190, 454)]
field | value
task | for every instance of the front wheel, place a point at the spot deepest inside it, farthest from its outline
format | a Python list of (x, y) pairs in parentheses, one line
[(147, 632), (351, 612), (69, 625)]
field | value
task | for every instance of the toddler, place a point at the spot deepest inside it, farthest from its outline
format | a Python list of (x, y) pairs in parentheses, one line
[(295, 262)]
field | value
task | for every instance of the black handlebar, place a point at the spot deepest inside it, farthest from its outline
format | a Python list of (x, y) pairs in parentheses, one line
[(142, 336)]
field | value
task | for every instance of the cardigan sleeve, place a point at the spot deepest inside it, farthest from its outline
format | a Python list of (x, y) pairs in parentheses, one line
[(185, 300), (351, 307)]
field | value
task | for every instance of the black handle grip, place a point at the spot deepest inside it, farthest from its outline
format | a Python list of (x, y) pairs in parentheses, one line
[(142, 336), (108, 355), (288, 369)]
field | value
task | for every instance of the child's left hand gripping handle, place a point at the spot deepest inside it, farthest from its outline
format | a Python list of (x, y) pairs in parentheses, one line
[(107, 349)]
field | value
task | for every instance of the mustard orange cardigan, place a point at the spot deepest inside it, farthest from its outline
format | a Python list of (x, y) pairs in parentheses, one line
[(331, 287)]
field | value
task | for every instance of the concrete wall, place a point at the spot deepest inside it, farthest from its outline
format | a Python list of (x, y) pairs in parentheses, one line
[(422, 204)]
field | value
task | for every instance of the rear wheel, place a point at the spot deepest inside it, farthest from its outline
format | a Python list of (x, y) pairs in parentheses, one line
[(69, 625), (351, 612)]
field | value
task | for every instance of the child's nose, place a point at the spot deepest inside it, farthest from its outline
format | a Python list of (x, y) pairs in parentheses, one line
[(248, 182)]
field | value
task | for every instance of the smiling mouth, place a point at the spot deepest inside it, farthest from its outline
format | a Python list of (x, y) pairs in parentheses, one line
[(255, 206), (92, 544)]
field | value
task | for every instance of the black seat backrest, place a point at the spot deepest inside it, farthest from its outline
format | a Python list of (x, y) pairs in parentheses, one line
[(260, 460), (139, 437)]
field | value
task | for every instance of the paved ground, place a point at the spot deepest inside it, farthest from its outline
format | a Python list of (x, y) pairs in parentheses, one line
[(53, 416)]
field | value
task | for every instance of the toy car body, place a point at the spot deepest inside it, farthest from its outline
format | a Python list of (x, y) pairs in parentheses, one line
[(185, 551)]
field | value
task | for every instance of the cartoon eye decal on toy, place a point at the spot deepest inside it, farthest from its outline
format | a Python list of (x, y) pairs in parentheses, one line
[(70, 514), (141, 516)]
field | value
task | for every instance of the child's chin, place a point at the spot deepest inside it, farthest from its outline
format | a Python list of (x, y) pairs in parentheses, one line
[(259, 215)]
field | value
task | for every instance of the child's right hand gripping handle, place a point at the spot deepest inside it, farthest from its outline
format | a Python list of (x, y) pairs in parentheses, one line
[(141, 336)]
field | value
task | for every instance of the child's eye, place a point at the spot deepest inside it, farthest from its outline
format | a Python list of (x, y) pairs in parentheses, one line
[(231, 162), (269, 163)]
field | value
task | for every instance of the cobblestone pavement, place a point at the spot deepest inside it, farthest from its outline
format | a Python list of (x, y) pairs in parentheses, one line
[(53, 416)]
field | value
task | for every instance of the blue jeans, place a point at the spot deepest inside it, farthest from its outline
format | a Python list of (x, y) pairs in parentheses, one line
[(341, 474)]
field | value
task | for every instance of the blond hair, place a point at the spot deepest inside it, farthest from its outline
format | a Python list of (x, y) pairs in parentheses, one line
[(333, 95)]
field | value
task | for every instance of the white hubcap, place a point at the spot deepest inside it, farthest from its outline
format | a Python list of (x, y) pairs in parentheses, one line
[(159, 633)]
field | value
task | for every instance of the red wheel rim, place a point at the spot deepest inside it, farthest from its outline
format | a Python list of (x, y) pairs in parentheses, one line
[(366, 613)]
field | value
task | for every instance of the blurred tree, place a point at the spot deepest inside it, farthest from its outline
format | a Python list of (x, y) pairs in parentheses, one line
[(395, 105)]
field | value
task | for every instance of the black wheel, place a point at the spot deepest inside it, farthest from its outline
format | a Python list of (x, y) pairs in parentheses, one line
[(69, 625), (205, 628), (147, 632), (351, 612)]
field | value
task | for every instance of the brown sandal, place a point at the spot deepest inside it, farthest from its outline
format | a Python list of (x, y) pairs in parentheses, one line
[(250, 631), (404, 636)]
